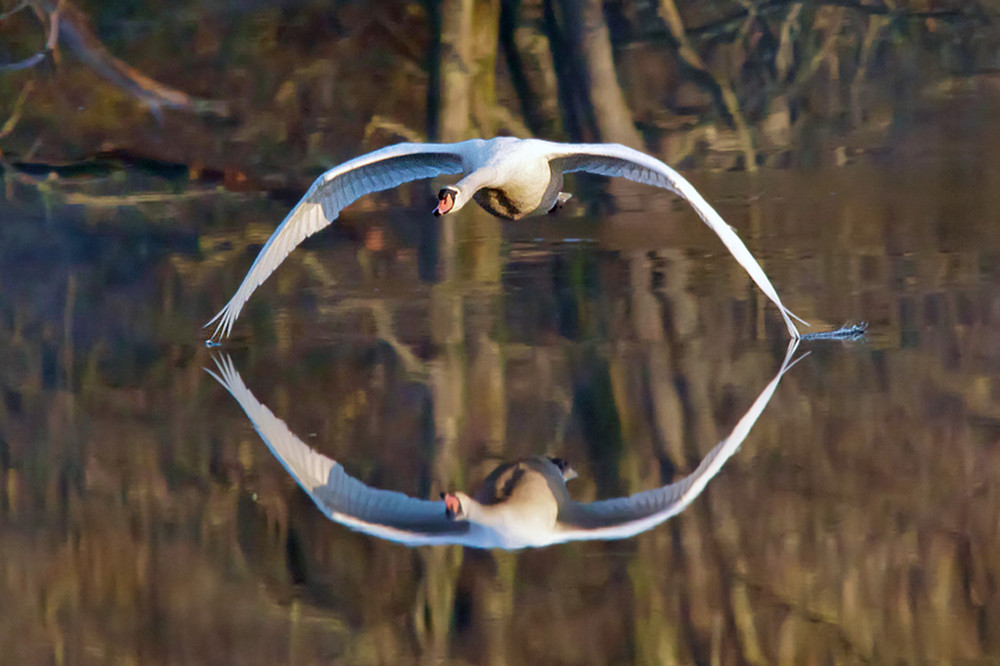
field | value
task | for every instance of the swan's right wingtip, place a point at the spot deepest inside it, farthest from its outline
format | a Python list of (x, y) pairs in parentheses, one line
[(798, 318), (789, 316)]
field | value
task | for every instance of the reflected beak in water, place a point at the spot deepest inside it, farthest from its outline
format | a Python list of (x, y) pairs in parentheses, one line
[(452, 507), (446, 199)]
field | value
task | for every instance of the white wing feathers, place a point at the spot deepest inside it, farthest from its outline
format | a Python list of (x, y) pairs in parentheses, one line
[(383, 513), (627, 516), (331, 193), (618, 160)]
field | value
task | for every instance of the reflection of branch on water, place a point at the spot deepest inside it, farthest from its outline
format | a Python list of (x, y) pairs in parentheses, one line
[(118, 201), (828, 22), (49, 185), (871, 39), (384, 331), (800, 610)]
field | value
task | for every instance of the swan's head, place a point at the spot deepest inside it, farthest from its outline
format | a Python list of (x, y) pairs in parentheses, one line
[(568, 473), (449, 199), (456, 505)]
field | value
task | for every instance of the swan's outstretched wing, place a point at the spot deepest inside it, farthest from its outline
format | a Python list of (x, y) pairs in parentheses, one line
[(382, 513), (627, 516), (332, 192), (617, 160)]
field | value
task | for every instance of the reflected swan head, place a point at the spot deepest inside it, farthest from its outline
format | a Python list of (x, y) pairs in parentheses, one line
[(456, 505), (568, 473)]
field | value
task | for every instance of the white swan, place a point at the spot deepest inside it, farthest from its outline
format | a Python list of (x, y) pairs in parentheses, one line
[(523, 504), (509, 177)]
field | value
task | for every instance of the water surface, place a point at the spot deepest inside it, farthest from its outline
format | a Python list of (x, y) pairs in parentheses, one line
[(141, 518)]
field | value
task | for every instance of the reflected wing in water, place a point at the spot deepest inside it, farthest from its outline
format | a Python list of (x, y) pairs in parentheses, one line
[(627, 516), (607, 159), (382, 513)]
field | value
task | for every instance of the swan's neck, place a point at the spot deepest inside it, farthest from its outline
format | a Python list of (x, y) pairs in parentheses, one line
[(475, 181), (474, 511)]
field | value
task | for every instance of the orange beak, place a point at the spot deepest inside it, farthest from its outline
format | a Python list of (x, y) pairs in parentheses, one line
[(445, 201), (451, 505)]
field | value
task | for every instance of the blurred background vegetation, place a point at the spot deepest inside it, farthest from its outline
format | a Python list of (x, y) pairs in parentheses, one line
[(278, 88), (854, 144)]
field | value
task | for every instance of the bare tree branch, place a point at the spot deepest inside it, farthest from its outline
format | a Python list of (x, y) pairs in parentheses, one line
[(672, 17), (22, 5), (50, 41), (890, 9), (69, 25), (27, 63), (15, 114), (78, 36)]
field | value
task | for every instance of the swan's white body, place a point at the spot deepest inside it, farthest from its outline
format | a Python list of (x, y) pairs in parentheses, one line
[(524, 504), (509, 177)]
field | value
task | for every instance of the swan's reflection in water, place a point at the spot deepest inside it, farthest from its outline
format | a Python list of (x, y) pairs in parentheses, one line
[(522, 504)]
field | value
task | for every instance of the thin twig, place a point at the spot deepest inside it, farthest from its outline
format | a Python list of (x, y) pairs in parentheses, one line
[(50, 42), (15, 114), (723, 24), (53, 40), (129, 200), (68, 23), (27, 63), (23, 5)]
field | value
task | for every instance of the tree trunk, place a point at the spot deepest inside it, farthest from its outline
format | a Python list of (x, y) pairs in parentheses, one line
[(587, 32), (528, 55), (467, 69), (614, 119)]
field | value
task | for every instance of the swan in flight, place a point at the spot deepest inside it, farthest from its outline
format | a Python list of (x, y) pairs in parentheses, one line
[(509, 177), (522, 504)]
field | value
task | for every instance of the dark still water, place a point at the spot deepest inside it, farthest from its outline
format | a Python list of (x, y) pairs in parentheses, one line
[(143, 520)]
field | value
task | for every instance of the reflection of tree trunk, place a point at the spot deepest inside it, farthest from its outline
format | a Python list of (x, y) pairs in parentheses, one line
[(710, 539), (456, 409), (872, 38), (656, 638), (495, 608), (442, 565), (682, 429)]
